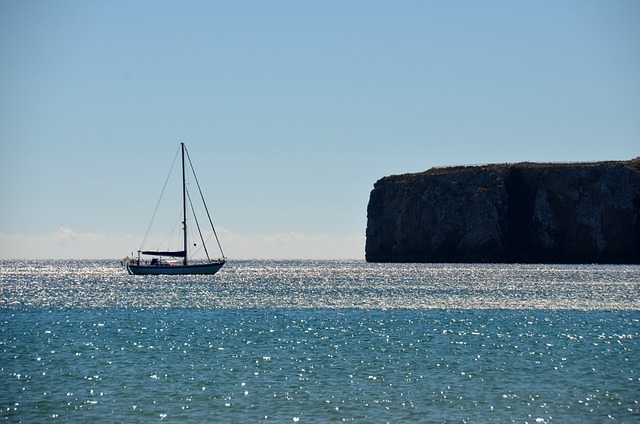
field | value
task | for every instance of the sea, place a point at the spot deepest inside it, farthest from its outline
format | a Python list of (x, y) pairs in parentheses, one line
[(320, 342)]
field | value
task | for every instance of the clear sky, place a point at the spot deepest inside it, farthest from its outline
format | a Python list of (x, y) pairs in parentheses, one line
[(291, 110)]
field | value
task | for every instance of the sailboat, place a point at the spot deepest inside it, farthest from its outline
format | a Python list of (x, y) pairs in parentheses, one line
[(180, 265)]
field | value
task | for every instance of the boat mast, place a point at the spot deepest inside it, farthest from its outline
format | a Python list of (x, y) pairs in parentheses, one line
[(184, 206)]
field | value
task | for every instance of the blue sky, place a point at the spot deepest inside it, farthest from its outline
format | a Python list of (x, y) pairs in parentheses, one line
[(291, 110)]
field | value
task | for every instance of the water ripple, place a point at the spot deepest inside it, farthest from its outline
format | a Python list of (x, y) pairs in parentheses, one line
[(319, 365), (322, 284)]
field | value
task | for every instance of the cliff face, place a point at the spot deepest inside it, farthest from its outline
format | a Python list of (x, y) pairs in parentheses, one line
[(535, 213)]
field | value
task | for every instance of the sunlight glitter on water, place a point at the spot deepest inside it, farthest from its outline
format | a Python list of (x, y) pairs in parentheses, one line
[(320, 365), (325, 284), (317, 341)]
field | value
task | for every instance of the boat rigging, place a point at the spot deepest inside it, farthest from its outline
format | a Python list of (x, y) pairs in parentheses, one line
[(183, 266)]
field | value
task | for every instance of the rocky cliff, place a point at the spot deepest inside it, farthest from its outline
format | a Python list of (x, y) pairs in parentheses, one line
[(525, 213)]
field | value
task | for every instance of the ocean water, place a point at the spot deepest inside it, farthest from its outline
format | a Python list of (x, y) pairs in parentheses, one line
[(320, 341)]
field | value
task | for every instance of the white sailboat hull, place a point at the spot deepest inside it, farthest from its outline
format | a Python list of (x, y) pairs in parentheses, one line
[(173, 269)]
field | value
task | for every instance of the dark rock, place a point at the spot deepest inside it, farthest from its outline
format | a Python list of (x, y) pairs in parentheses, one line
[(527, 212)]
